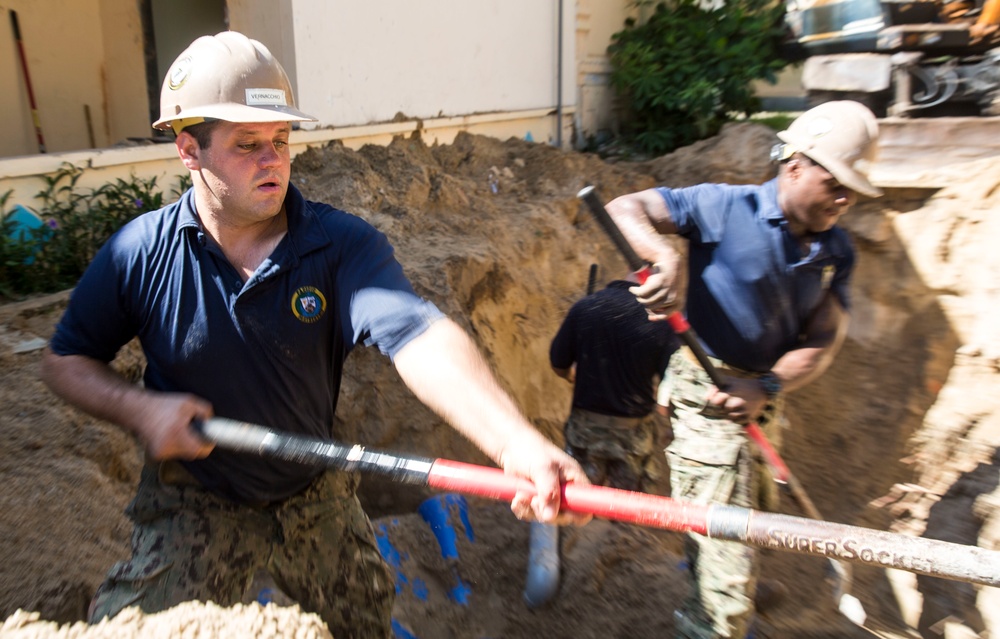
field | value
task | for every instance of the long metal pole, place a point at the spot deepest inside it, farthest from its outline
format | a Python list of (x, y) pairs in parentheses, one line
[(764, 530), (559, 76)]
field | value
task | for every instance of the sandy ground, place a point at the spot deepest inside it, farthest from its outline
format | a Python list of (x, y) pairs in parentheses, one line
[(899, 435)]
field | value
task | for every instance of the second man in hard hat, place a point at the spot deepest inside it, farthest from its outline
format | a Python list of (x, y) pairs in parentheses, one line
[(768, 274)]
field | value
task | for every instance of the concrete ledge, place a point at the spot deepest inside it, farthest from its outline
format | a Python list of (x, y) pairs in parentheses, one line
[(24, 175), (930, 152)]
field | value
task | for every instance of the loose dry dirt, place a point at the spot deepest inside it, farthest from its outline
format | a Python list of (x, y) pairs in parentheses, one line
[(901, 434)]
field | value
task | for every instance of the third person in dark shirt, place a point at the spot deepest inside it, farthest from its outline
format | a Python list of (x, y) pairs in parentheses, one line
[(614, 356)]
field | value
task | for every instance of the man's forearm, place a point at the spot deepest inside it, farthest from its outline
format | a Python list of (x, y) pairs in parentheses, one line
[(643, 219), (803, 365), (162, 421), (823, 340), (446, 371), (92, 386)]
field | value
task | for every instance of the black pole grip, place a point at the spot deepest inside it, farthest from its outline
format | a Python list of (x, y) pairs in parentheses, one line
[(15, 25), (589, 196), (257, 440)]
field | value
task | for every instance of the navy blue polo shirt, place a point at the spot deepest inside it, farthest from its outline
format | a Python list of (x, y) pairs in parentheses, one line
[(751, 291), (270, 350)]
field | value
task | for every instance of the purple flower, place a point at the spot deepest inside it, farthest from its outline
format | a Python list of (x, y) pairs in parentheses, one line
[(52, 224), (138, 203)]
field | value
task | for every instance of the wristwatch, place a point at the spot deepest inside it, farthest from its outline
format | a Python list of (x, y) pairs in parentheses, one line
[(770, 384)]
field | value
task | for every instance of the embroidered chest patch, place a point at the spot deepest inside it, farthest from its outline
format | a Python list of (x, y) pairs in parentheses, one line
[(308, 304)]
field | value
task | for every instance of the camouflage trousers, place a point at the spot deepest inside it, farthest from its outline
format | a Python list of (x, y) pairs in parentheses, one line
[(188, 544), (614, 451), (711, 463)]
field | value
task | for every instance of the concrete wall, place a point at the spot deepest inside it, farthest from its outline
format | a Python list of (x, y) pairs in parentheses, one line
[(367, 70), (68, 46), (597, 21), (351, 62), (364, 62)]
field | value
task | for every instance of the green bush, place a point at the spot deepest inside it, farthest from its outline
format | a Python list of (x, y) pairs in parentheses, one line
[(77, 222), (685, 71)]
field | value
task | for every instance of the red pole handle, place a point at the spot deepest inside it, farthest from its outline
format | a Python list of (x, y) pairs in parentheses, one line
[(683, 329), (765, 530), (600, 501), (836, 542), (27, 80)]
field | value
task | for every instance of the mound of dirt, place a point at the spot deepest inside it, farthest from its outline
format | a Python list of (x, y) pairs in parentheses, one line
[(192, 620), (901, 433)]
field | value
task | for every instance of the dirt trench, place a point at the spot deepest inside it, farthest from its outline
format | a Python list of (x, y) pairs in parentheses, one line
[(900, 434)]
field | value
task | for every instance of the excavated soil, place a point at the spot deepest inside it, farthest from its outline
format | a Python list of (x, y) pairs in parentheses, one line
[(900, 434)]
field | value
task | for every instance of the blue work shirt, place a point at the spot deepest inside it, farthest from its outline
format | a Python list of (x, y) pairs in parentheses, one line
[(270, 350), (751, 292)]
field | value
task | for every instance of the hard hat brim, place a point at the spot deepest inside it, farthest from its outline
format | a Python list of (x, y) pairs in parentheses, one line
[(234, 112), (845, 174)]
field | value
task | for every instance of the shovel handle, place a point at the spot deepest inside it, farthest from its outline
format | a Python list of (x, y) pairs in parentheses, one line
[(686, 333), (765, 530), (589, 196)]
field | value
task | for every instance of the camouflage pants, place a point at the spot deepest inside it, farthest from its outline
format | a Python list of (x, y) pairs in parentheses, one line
[(711, 463), (614, 451), (188, 544)]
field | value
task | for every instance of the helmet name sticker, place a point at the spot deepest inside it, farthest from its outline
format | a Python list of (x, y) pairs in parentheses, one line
[(266, 97), (308, 304)]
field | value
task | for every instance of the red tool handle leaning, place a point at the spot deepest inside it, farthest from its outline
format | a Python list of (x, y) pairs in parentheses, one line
[(27, 80), (764, 530), (686, 333)]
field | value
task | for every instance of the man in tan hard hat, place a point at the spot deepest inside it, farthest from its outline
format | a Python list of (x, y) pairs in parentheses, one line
[(768, 274), (247, 299)]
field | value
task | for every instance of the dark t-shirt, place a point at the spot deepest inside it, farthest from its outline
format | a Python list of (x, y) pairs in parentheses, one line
[(617, 350)]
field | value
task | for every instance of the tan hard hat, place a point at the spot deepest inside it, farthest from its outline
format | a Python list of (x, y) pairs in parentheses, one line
[(840, 136), (229, 77)]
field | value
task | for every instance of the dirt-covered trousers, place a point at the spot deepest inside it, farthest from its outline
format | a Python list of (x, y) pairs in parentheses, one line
[(614, 451), (711, 463), (188, 544)]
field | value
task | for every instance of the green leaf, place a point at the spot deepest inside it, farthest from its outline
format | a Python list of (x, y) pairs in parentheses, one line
[(684, 69)]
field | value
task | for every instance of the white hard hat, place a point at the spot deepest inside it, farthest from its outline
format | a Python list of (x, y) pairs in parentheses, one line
[(842, 137), (229, 77)]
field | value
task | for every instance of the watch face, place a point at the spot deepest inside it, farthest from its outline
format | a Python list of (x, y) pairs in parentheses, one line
[(770, 383)]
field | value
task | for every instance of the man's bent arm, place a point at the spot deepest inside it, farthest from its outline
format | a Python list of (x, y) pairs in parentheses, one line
[(643, 218), (745, 399), (446, 371), (161, 420), (565, 373), (823, 338)]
